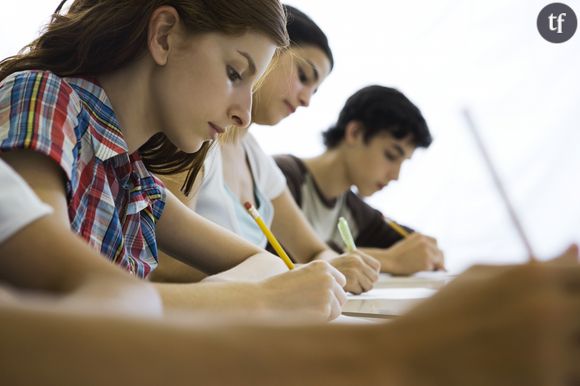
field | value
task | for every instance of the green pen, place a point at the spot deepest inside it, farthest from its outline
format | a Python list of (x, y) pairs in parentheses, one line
[(344, 231)]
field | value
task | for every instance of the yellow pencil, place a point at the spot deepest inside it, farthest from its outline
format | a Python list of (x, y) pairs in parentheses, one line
[(397, 228), (269, 235)]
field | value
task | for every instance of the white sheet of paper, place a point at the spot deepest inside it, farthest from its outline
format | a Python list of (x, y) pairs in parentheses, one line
[(386, 301), (434, 280), (394, 294)]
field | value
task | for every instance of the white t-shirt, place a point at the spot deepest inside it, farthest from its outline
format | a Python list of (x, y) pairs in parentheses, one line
[(217, 203), (19, 206)]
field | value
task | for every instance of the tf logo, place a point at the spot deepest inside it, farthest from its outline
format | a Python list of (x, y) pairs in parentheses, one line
[(557, 22)]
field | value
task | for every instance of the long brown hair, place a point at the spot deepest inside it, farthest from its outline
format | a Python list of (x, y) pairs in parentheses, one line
[(100, 36)]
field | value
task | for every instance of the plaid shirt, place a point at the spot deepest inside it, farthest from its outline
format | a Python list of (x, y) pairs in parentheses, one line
[(113, 200)]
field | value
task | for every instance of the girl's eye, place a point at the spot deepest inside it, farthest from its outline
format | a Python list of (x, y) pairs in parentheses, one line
[(390, 157), (302, 76), (233, 75)]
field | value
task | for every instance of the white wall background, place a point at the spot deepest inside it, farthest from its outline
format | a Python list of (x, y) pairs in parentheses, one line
[(523, 91)]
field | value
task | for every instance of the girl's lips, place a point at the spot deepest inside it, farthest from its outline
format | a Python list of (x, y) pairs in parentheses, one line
[(290, 107), (217, 128)]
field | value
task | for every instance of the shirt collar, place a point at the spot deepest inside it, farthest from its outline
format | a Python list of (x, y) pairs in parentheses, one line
[(108, 144), (106, 133)]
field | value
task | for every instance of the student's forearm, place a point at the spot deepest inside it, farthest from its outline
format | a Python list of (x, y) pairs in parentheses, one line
[(243, 297), (57, 261), (198, 242), (131, 297), (255, 268), (398, 265), (313, 291), (135, 352), (382, 255), (207, 247), (326, 255), (171, 270), (60, 263), (306, 255), (412, 254)]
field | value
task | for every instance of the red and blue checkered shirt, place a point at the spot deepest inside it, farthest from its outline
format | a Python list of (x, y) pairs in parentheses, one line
[(113, 200)]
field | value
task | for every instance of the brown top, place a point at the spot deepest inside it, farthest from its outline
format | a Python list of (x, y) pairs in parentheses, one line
[(367, 224)]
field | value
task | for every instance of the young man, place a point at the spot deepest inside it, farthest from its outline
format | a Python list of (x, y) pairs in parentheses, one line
[(377, 130)]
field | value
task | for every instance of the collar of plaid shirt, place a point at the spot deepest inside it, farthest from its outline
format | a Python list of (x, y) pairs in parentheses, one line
[(108, 142)]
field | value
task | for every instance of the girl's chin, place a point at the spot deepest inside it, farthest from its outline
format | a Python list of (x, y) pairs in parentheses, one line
[(367, 192), (271, 120), (192, 147)]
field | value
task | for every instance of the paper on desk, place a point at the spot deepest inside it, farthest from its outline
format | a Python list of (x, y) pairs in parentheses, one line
[(426, 279), (393, 293), (385, 301)]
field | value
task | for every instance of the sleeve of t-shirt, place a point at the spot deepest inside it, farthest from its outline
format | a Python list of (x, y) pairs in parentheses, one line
[(374, 232), (290, 166), (267, 174), (39, 111), (19, 206)]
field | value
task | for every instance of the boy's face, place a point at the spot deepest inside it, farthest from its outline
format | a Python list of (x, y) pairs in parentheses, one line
[(372, 166)]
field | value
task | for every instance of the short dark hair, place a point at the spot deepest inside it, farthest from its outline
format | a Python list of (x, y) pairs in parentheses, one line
[(304, 31), (380, 109)]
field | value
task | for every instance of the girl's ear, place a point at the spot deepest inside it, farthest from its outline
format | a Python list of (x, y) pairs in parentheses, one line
[(353, 133), (162, 33)]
